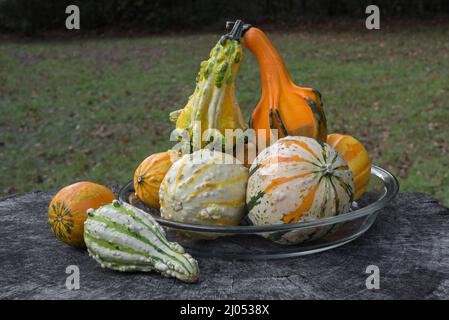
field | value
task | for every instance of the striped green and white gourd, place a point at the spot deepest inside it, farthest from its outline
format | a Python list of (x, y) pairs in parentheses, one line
[(298, 179), (205, 187), (125, 238)]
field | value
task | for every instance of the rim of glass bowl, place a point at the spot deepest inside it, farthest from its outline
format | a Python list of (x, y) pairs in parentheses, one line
[(390, 189)]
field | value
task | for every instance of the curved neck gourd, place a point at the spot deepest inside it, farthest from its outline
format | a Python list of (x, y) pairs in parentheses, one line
[(289, 109), (272, 66)]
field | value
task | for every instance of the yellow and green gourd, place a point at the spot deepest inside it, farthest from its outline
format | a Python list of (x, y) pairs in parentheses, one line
[(125, 238), (298, 179), (213, 105), (205, 187)]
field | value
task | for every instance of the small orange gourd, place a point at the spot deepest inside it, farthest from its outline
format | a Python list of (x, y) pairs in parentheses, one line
[(68, 210), (149, 175), (291, 109), (357, 158)]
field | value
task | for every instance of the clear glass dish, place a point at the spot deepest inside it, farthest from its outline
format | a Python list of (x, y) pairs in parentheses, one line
[(244, 241)]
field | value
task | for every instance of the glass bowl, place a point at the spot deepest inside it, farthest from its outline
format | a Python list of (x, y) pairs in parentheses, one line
[(245, 241)]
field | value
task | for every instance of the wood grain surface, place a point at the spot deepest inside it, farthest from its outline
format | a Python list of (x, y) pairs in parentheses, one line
[(409, 243)]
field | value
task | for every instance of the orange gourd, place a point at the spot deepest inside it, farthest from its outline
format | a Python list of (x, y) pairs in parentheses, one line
[(357, 158), (67, 210), (149, 175), (291, 109)]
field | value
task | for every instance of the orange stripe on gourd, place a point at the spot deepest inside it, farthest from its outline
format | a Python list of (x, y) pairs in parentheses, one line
[(281, 159), (357, 158), (67, 210), (149, 175), (279, 181), (305, 206), (299, 189), (301, 144)]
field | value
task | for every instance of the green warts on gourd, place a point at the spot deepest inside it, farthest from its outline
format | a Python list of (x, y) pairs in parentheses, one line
[(124, 238), (213, 105)]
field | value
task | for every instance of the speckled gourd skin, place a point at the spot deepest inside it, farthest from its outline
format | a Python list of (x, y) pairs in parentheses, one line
[(205, 187), (149, 175), (124, 238), (213, 105), (298, 179), (67, 210)]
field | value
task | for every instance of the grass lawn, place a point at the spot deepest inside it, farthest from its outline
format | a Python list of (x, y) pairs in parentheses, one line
[(95, 108)]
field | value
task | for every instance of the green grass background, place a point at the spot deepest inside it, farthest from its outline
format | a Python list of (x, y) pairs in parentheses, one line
[(93, 109)]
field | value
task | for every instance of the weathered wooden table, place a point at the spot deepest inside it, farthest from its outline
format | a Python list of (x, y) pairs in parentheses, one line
[(409, 243)]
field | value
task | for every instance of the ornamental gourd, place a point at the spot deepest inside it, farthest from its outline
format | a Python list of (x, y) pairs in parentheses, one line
[(149, 175), (212, 107), (291, 109), (205, 187), (67, 210), (125, 238), (294, 180), (357, 158)]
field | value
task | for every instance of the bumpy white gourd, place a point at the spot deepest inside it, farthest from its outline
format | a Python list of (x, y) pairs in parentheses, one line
[(125, 238), (298, 179), (205, 187)]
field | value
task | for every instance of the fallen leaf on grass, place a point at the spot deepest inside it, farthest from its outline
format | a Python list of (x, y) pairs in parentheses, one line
[(404, 165), (374, 122), (11, 190), (433, 125), (102, 132)]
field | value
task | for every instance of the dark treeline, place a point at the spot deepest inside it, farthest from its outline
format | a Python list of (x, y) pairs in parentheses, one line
[(33, 16)]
